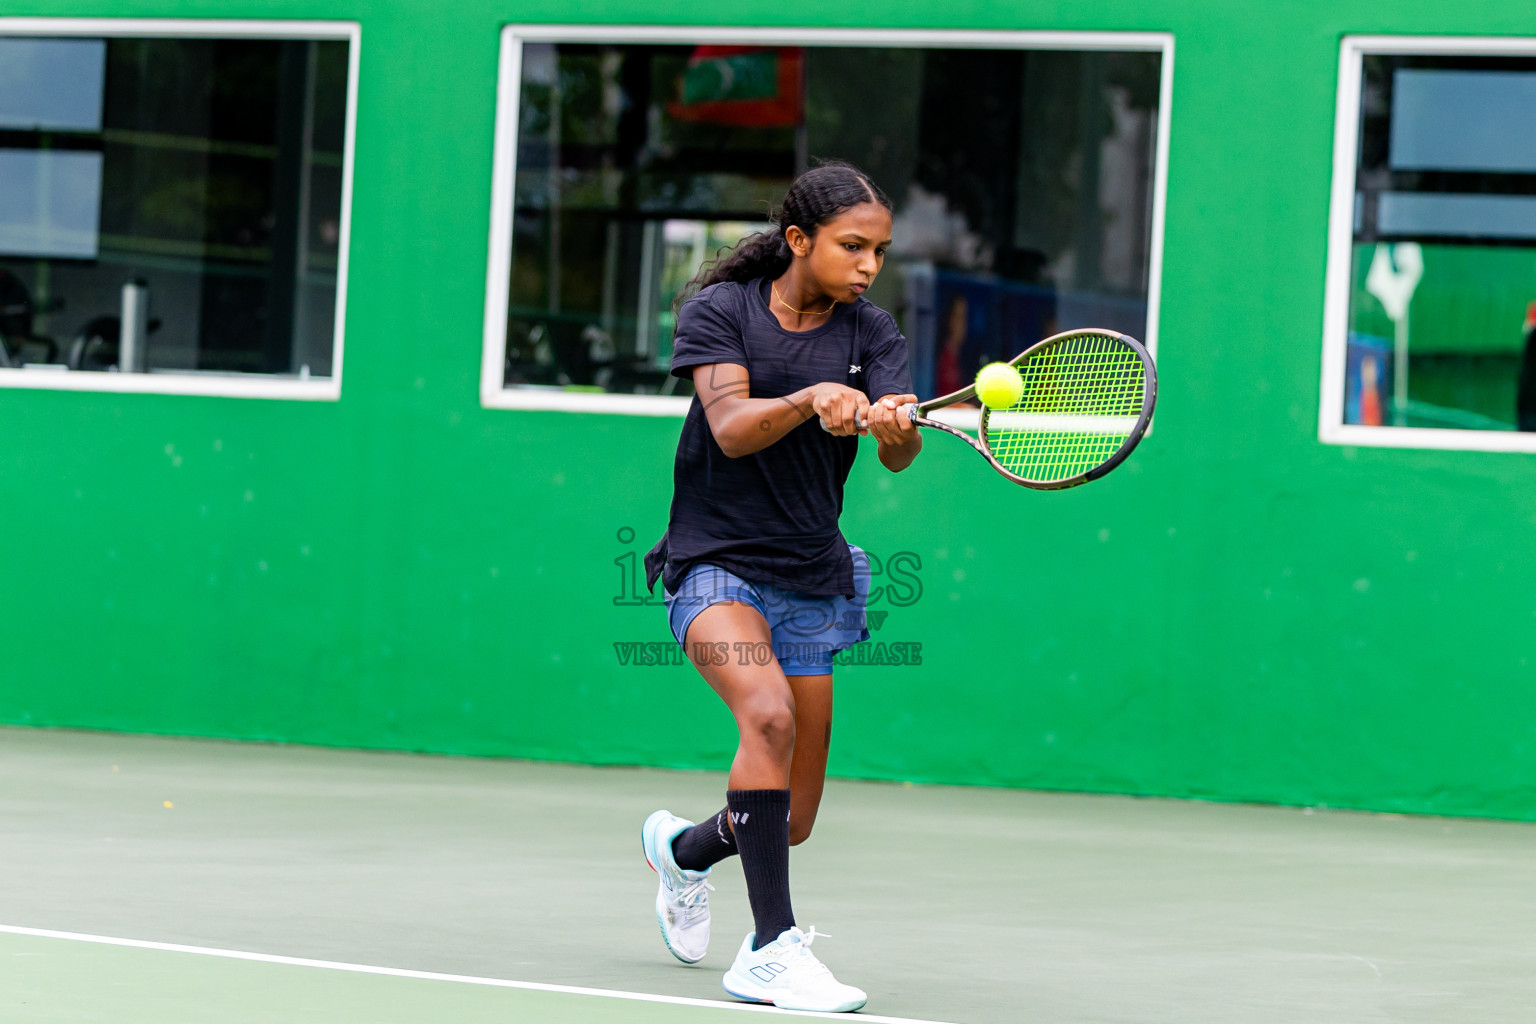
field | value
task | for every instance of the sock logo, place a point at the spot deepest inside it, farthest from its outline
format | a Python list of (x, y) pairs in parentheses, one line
[(739, 818), (765, 972)]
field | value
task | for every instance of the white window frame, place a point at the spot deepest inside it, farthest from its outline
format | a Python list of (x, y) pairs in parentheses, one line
[(493, 393), (172, 382), (1346, 139)]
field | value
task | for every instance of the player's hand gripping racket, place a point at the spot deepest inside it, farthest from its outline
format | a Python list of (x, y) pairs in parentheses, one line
[(1087, 399)]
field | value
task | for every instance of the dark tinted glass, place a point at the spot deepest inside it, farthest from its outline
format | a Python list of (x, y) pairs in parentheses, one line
[(1443, 301), (171, 204), (1023, 185)]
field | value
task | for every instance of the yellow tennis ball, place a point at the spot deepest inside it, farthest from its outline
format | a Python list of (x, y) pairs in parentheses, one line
[(999, 385)]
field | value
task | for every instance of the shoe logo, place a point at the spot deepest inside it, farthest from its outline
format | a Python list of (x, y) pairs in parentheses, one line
[(765, 972)]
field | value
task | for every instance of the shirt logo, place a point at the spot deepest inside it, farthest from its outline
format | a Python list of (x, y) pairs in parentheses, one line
[(853, 368)]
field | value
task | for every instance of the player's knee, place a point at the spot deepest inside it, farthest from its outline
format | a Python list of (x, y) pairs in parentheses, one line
[(771, 723)]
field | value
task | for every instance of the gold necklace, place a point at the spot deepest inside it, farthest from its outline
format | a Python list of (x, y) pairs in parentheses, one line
[(792, 309)]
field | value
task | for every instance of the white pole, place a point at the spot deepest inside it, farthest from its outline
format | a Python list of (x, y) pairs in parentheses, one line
[(133, 328)]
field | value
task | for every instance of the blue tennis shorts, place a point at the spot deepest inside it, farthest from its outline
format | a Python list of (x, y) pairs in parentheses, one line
[(807, 629)]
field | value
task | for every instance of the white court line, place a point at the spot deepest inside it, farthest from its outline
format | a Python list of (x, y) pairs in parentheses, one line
[(462, 979)]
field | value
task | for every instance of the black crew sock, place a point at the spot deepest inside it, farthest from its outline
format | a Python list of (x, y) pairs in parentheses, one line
[(706, 844), (761, 818)]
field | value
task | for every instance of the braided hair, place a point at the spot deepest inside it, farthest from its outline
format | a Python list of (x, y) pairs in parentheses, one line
[(814, 198)]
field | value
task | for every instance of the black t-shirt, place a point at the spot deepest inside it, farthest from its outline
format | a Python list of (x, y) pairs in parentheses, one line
[(771, 517)]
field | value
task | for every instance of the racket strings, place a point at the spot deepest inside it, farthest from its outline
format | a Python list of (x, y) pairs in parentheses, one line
[(1082, 400)]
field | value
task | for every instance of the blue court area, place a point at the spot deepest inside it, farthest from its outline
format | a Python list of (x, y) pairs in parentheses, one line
[(244, 883)]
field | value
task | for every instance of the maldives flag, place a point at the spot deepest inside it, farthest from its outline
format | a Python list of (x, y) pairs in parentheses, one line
[(746, 86)]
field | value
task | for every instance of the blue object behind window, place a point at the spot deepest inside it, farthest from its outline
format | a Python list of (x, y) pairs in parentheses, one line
[(52, 84), (51, 203), (1463, 120)]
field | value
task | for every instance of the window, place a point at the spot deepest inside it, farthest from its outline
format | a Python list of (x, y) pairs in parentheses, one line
[(1430, 336), (174, 210), (1026, 170)]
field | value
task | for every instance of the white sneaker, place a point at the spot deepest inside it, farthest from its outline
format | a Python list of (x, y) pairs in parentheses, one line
[(682, 900), (787, 974)]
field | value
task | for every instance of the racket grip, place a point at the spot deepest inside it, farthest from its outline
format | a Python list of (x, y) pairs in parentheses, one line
[(908, 408)]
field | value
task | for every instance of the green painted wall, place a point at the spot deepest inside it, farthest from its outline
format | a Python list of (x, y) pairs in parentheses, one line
[(1241, 613)]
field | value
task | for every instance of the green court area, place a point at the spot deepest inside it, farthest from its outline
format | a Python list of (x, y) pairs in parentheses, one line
[(61, 980), (945, 904)]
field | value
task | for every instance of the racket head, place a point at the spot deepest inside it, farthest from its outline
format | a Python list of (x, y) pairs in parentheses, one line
[(1088, 399)]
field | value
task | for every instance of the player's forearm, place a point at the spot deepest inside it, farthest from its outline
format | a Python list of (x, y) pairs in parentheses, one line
[(742, 425), (897, 457), (747, 425)]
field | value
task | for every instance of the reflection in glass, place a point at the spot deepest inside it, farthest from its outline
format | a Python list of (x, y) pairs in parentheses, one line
[(51, 84), (1022, 182), (1444, 270), (50, 204), (1462, 120), (171, 204)]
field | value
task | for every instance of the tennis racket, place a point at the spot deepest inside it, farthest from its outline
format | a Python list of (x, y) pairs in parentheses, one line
[(1088, 397)]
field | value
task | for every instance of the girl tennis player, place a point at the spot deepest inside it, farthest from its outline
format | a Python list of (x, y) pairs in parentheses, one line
[(788, 360)]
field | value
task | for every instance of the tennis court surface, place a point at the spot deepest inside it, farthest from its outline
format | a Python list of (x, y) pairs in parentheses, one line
[(381, 887)]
